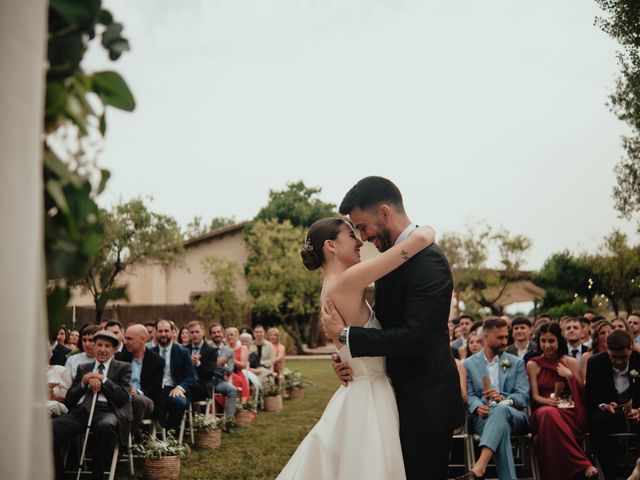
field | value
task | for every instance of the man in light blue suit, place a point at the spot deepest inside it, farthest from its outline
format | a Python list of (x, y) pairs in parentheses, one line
[(498, 389)]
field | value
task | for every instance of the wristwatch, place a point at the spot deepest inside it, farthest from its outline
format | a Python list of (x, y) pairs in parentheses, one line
[(342, 338)]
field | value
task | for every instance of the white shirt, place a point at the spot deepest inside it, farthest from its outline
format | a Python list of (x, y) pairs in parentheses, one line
[(523, 352), (405, 233), (101, 397), (74, 360), (167, 379), (621, 379), (579, 351), (493, 368)]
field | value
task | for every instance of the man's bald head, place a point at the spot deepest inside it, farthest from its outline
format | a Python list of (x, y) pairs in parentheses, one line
[(134, 339)]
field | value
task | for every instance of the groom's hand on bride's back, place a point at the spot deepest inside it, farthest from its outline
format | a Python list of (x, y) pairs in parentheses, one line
[(342, 369)]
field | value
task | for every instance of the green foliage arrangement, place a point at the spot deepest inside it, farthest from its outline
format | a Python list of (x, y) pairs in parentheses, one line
[(153, 447), (270, 387), (295, 378), (208, 423), (572, 309)]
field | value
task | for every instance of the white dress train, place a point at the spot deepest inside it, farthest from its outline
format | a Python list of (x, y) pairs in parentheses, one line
[(358, 433)]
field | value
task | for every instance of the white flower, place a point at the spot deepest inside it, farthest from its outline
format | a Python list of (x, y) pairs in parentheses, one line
[(505, 364)]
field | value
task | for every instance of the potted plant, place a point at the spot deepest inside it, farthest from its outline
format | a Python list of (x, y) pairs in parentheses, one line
[(246, 412), (295, 383), (161, 457), (208, 430), (272, 396)]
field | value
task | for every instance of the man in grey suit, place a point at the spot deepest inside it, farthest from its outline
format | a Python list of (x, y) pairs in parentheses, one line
[(498, 389), (522, 344), (110, 380)]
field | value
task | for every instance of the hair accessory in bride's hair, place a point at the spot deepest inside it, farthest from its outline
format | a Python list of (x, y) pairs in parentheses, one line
[(307, 244)]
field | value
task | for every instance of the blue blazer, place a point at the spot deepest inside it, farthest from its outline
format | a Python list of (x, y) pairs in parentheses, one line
[(182, 370), (514, 382)]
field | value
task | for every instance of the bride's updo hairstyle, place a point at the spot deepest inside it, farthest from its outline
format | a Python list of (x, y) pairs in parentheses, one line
[(321, 230)]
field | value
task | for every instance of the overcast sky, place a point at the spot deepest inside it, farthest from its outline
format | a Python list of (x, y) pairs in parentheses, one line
[(490, 110)]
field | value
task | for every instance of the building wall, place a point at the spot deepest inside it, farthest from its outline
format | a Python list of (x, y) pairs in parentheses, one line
[(154, 284)]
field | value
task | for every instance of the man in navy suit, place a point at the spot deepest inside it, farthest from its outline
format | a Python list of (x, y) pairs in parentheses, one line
[(179, 374)]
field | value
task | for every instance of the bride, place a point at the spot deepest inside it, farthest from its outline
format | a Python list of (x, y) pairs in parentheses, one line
[(358, 433)]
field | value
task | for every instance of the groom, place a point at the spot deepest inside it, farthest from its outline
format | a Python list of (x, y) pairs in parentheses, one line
[(412, 304)]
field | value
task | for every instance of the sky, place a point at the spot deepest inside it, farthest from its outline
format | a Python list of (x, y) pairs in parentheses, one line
[(489, 111)]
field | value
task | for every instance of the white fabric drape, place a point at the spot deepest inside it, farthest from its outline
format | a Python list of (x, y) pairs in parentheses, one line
[(24, 422)]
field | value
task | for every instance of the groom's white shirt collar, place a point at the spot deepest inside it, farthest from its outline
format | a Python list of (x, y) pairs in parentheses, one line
[(405, 233)]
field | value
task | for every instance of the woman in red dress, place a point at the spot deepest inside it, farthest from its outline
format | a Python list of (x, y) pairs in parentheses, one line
[(557, 431), (241, 357)]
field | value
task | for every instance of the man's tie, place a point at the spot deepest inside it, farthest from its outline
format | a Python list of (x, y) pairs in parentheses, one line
[(196, 349), (88, 397), (574, 353)]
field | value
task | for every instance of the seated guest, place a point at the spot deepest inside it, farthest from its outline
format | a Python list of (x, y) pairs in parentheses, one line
[(151, 331), (74, 338), (496, 412), (86, 350), (109, 379), (115, 327), (146, 376), (246, 340), (586, 323), (240, 362), (601, 330), (613, 381), (174, 331), (522, 344), (573, 335), (474, 342), (178, 374), (557, 431), (263, 354), (223, 372), (204, 359), (465, 322), (59, 351), (273, 335), (184, 337), (59, 382), (620, 323), (634, 324)]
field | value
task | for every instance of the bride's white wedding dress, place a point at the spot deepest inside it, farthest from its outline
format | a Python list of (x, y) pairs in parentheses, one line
[(358, 433)]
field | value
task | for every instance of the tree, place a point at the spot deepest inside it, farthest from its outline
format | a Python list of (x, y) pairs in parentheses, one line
[(298, 204), (566, 277), (73, 126), (222, 304), (622, 23), (468, 253), (617, 271), (132, 236), (196, 227), (279, 286)]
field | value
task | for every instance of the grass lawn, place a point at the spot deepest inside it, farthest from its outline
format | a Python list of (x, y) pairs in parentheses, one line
[(262, 449)]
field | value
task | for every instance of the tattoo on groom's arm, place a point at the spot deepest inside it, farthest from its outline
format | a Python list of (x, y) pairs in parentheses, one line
[(404, 255)]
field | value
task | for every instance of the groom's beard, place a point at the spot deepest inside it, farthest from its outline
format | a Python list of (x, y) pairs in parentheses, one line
[(385, 240)]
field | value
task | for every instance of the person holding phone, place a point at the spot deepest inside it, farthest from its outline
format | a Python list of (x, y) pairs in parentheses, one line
[(613, 395)]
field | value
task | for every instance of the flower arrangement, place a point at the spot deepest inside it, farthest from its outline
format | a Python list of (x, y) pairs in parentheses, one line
[(208, 423), (152, 447), (270, 387), (505, 364), (293, 378)]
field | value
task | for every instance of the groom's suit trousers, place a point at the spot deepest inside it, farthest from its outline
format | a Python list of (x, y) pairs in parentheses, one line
[(426, 455)]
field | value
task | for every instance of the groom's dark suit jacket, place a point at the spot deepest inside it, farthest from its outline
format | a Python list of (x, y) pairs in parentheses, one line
[(412, 305)]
